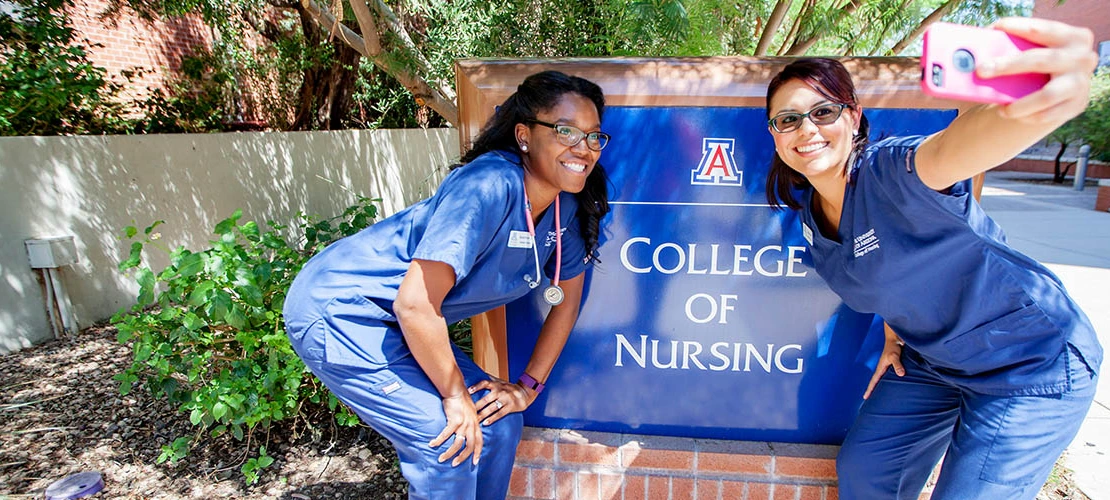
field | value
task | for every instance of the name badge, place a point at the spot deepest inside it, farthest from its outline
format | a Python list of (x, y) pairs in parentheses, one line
[(520, 239), (807, 233)]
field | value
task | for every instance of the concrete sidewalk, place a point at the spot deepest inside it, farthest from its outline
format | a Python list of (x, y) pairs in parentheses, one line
[(1059, 227)]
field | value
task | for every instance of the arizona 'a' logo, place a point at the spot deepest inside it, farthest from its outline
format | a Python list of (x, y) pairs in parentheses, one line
[(717, 166)]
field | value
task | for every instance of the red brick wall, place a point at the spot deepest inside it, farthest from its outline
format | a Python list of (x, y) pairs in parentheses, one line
[(1094, 170), (1102, 201), (129, 42), (1094, 14), (580, 465)]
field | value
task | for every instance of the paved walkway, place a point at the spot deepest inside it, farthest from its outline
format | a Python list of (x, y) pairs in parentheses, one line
[(1058, 226)]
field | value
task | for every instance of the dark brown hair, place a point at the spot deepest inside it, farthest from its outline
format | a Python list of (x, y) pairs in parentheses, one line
[(830, 79)]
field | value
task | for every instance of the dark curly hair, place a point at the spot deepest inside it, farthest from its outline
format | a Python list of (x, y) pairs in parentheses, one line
[(538, 93), (830, 79)]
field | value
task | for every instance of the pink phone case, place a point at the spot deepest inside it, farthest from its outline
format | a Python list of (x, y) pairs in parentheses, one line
[(948, 64)]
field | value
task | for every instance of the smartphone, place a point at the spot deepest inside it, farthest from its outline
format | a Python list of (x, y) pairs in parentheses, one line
[(948, 64)]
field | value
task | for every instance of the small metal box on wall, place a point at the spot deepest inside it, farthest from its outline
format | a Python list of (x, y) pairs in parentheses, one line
[(48, 255), (705, 317)]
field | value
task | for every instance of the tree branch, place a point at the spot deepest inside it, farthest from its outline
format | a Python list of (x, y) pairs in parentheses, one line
[(396, 27), (801, 46), (440, 101), (795, 26), (368, 27), (933, 17), (773, 23), (324, 17)]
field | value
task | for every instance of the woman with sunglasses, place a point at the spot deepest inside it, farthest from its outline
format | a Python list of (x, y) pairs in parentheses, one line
[(369, 314), (994, 366)]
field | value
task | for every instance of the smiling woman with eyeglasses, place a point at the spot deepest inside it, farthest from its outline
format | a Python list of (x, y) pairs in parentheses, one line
[(987, 361), (369, 314)]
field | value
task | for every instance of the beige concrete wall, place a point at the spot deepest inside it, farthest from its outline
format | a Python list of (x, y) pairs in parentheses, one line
[(92, 187)]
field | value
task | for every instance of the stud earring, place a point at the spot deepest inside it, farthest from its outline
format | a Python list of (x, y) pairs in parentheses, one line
[(524, 148)]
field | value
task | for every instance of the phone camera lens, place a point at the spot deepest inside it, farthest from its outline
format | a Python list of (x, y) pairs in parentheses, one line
[(938, 76), (963, 61)]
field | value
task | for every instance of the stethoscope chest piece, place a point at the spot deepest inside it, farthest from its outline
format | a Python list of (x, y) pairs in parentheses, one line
[(553, 295)]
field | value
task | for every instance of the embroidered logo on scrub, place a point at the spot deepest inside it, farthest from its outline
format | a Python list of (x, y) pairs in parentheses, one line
[(865, 243), (551, 237), (520, 239)]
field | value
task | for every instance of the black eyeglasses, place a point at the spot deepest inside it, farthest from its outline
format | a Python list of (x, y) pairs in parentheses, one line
[(570, 136), (789, 121)]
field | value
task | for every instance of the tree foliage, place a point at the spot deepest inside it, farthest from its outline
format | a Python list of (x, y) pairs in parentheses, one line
[(48, 86), (314, 64), (415, 41), (1091, 127), (1096, 119), (342, 52)]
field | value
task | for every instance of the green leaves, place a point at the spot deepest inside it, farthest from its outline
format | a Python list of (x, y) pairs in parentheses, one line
[(134, 257), (207, 332), (189, 264), (225, 226), (252, 466), (49, 85), (175, 451)]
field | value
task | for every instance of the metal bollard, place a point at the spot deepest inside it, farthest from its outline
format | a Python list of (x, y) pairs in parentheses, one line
[(1081, 167)]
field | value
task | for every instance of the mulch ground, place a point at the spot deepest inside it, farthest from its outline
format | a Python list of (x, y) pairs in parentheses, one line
[(61, 413)]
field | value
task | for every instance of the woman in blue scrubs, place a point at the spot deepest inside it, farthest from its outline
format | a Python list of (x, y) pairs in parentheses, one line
[(994, 365), (369, 314)]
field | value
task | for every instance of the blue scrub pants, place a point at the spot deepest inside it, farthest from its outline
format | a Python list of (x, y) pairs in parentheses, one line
[(994, 447), (401, 403)]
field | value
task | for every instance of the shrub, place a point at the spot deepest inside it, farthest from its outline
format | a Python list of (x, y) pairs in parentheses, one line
[(207, 333), (48, 85), (1097, 130), (197, 101)]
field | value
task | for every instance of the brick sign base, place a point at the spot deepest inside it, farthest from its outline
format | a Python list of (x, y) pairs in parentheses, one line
[(579, 465)]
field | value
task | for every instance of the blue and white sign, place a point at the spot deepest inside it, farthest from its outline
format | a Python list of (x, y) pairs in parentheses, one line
[(705, 317)]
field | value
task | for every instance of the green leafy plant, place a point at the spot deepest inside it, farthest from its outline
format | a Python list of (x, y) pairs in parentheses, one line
[(207, 333), (252, 466), (48, 85), (1097, 130), (1091, 127), (195, 102), (174, 451)]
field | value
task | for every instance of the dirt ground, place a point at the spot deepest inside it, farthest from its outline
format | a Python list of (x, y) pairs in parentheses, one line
[(61, 413)]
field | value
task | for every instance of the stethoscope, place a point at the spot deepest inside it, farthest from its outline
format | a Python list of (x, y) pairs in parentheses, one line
[(553, 295)]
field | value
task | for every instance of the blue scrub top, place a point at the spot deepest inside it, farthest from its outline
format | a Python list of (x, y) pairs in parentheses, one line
[(474, 223), (938, 270)]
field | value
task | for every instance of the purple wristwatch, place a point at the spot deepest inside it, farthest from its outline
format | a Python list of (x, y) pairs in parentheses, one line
[(527, 381)]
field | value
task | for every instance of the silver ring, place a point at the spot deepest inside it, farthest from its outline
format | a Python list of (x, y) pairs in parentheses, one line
[(498, 403)]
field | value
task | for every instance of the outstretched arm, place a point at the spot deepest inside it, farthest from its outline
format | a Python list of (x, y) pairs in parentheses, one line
[(986, 136), (553, 336)]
